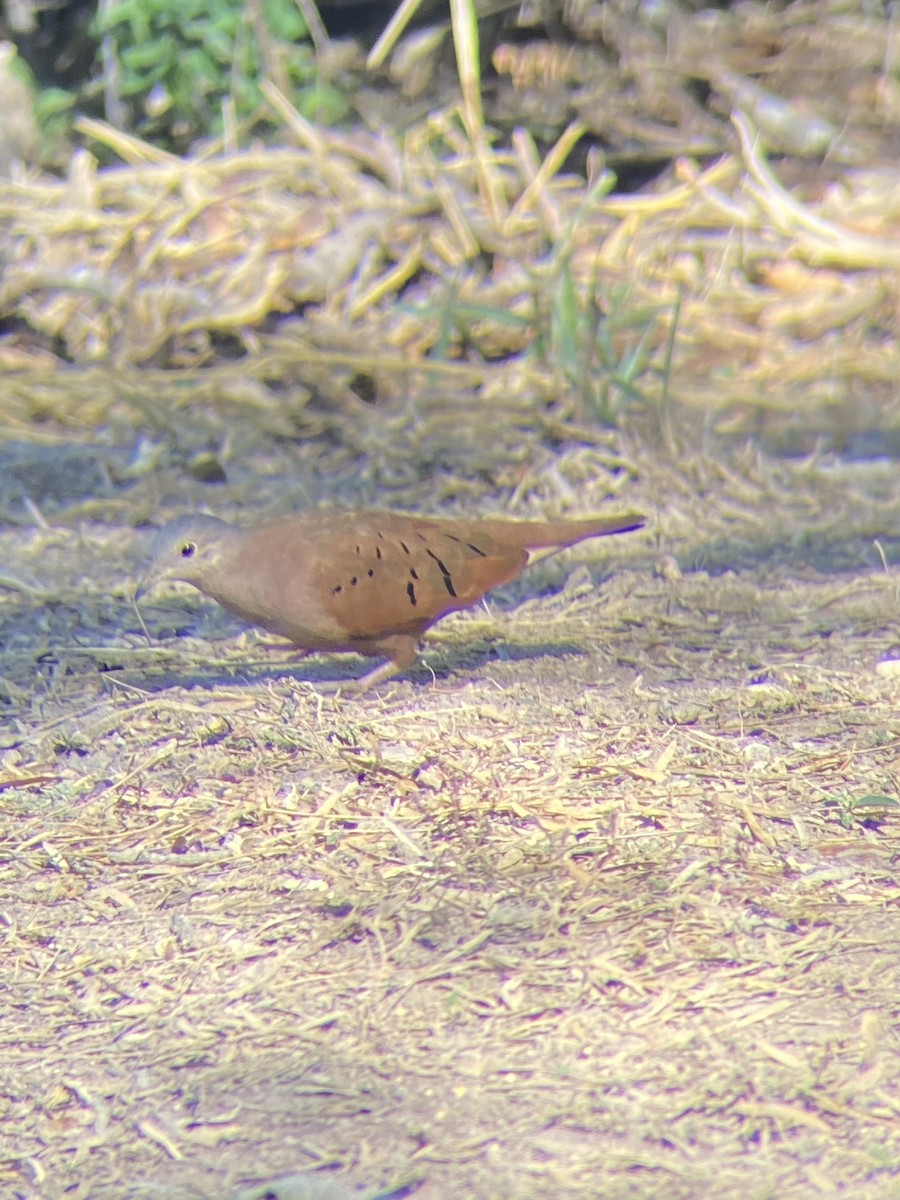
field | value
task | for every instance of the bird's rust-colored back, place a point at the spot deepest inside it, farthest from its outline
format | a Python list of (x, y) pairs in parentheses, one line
[(355, 577), (402, 576)]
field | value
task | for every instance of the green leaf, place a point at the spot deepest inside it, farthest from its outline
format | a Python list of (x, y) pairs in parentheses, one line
[(873, 801)]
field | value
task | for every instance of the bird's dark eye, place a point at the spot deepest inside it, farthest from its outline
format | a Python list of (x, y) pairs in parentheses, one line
[(188, 550)]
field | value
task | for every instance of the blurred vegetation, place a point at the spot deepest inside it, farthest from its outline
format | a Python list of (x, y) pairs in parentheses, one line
[(182, 65), (176, 75), (176, 71)]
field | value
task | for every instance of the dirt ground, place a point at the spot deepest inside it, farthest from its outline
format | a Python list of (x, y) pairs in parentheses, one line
[(599, 900)]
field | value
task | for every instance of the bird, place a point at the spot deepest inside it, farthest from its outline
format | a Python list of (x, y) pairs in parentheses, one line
[(364, 581)]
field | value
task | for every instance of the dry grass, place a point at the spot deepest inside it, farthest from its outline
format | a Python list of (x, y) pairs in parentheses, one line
[(605, 904), (605, 907), (781, 303)]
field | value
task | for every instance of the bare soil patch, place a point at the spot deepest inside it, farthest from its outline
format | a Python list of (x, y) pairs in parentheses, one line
[(599, 907)]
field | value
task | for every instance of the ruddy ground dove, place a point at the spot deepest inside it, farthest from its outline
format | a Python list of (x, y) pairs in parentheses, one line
[(370, 582)]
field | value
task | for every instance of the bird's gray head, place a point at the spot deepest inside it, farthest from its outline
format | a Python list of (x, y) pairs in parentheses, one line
[(187, 549)]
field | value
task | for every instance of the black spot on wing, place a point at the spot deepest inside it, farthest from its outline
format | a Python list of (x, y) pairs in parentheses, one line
[(411, 592), (448, 578), (451, 537)]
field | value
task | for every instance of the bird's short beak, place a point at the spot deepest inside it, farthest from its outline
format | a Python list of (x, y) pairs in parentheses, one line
[(141, 590), (146, 583)]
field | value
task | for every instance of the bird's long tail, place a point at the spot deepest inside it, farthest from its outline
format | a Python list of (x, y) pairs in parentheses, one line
[(539, 535)]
